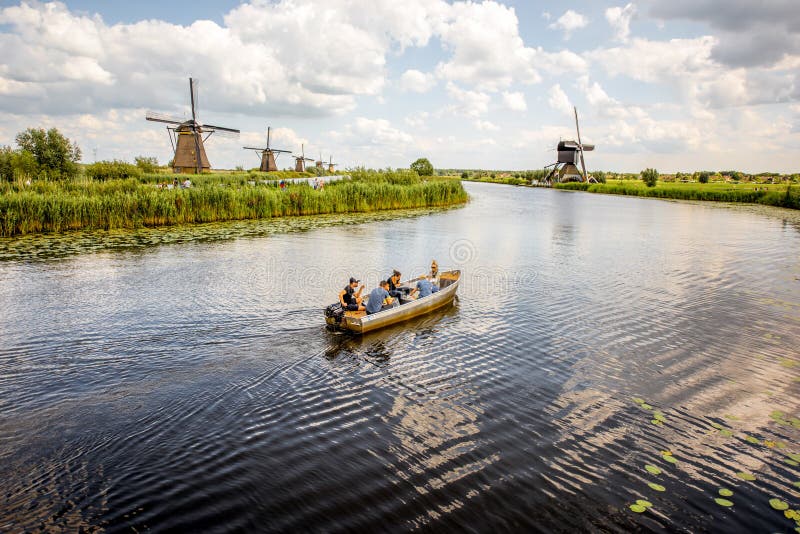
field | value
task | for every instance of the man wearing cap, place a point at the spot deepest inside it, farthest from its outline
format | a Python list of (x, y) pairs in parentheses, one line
[(349, 298)]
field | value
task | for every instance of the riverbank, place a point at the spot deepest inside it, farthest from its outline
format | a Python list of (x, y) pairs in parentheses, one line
[(44, 207), (768, 194)]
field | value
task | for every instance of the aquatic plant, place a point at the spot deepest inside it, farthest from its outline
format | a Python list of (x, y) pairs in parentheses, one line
[(129, 203)]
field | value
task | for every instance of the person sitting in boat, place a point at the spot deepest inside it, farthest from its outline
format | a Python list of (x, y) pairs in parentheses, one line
[(349, 298), (379, 298), (426, 287), (395, 290), (434, 275)]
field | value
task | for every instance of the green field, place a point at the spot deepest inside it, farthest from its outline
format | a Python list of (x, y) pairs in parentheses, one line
[(132, 203), (781, 195)]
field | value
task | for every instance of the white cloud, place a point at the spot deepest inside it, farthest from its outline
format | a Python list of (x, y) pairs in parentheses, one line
[(262, 59), (485, 126), (569, 22), (417, 120), (487, 50), (468, 103), (379, 132), (559, 100), (416, 81), (620, 20), (515, 101)]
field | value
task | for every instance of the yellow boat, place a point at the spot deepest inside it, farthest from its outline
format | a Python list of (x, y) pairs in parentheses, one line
[(361, 322)]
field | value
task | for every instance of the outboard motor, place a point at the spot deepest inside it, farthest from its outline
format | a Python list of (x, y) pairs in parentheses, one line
[(334, 314)]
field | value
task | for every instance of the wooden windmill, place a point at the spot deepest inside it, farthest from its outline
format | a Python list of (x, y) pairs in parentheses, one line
[(268, 155), (570, 153), (319, 162), (300, 161), (186, 137), (331, 165)]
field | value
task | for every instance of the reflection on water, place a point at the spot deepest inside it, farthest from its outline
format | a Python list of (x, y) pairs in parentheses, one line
[(602, 350)]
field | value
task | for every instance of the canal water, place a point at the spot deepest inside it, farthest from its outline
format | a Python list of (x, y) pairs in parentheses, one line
[(602, 350)]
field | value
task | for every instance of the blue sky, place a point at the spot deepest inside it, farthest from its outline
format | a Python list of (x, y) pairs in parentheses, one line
[(683, 85)]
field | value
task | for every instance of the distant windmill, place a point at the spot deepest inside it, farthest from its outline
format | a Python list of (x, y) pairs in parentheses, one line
[(268, 155), (331, 165), (319, 162), (300, 161), (565, 169), (186, 137)]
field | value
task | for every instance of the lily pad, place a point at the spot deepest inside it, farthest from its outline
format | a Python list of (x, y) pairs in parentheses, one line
[(723, 502), (751, 439), (778, 504), (777, 414), (656, 487), (792, 462), (795, 457), (725, 492), (657, 422), (717, 426), (646, 406), (797, 484), (637, 400), (653, 470), (638, 508), (725, 432), (745, 476), (670, 459), (646, 504), (659, 415)]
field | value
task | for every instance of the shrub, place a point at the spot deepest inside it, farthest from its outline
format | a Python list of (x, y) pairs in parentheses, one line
[(423, 167), (464, 175), (650, 177), (112, 170), (55, 155), (600, 176), (148, 165), (703, 176)]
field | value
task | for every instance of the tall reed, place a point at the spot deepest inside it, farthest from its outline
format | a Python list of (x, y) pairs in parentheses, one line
[(61, 206)]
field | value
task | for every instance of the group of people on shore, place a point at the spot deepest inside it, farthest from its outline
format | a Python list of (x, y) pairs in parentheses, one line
[(389, 292)]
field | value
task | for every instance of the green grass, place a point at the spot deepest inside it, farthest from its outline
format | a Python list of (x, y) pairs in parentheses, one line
[(769, 194), (133, 203)]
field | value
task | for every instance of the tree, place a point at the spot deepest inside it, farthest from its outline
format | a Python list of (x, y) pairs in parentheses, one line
[(422, 167), (54, 153), (703, 176), (464, 175), (650, 177)]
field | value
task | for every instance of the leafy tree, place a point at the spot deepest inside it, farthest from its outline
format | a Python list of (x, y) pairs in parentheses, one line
[(650, 177), (6, 163), (703, 176), (423, 167), (464, 175), (147, 164), (54, 153)]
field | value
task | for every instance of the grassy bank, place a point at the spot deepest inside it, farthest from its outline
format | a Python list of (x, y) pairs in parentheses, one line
[(771, 195), (133, 203)]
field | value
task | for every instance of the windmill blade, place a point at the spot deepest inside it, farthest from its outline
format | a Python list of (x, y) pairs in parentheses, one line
[(163, 117), (193, 85), (221, 131), (254, 148), (280, 151)]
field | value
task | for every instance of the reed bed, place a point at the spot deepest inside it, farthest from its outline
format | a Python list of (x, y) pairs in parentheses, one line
[(781, 196), (112, 204)]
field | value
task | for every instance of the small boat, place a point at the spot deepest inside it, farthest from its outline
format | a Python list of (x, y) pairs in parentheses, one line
[(361, 322)]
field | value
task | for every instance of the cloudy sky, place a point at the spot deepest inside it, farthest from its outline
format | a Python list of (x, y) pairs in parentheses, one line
[(676, 85)]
